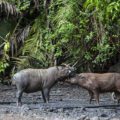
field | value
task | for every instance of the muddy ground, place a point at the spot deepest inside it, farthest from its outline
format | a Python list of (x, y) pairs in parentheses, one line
[(66, 103)]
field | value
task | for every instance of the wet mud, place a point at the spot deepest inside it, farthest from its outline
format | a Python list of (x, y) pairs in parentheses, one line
[(67, 102)]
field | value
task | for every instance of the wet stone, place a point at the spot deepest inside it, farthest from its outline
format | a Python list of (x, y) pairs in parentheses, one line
[(60, 110), (103, 115), (115, 119), (87, 118), (49, 110), (61, 99), (105, 118), (95, 118), (24, 109), (82, 117), (4, 111), (67, 113), (83, 109)]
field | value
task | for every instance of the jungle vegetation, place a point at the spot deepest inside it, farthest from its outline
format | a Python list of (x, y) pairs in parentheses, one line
[(43, 33)]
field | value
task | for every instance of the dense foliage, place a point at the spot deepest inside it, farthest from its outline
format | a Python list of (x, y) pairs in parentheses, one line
[(50, 32)]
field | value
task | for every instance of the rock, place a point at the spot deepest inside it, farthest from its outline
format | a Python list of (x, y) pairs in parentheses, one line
[(106, 118), (115, 119), (82, 117), (83, 109), (50, 110), (87, 118), (67, 113), (95, 118), (5, 111), (60, 110), (61, 99), (103, 115), (24, 109)]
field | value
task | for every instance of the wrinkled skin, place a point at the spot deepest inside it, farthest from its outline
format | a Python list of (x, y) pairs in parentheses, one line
[(97, 83), (33, 80)]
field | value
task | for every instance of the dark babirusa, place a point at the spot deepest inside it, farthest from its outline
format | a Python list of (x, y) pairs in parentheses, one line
[(98, 83)]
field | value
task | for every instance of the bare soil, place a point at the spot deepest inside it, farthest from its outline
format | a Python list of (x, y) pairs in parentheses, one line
[(67, 102)]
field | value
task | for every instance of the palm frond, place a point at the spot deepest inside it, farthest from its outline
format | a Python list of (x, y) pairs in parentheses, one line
[(8, 10), (23, 33), (18, 38), (36, 4), (21, 62)]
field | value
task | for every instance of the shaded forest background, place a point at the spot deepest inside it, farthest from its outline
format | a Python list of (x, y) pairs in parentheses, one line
[(43, 33)]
